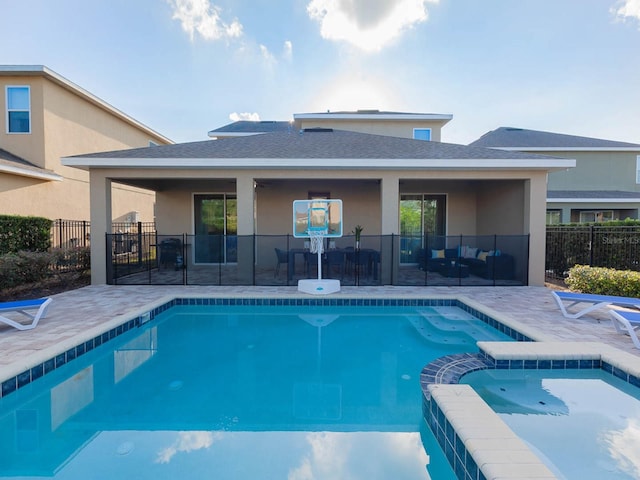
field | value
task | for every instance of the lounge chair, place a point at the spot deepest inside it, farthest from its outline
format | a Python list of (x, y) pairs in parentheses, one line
[(595, 302), (627, 322), (24, 306)]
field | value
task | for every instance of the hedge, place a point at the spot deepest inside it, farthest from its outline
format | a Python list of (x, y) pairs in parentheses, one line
[(604, 281), (31, 234)]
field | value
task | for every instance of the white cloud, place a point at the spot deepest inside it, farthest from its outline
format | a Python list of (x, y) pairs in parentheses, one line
[(368, 24), (187, 442), (267, 56), (627, 9), (287, 50), (203, 18), (236, 117)]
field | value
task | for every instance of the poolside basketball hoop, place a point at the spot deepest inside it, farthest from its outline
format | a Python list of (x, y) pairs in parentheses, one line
[(316, 220)]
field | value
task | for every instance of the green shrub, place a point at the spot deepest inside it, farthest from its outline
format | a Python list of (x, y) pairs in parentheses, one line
[(604, 281), (18, 233), (24, 267), (76, 258)]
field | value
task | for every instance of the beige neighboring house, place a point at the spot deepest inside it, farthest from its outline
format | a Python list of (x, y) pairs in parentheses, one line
[(230, 200), (46, 117)]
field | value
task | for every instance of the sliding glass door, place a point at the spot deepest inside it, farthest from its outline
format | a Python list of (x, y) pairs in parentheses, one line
[(215, 225), (420, 215)]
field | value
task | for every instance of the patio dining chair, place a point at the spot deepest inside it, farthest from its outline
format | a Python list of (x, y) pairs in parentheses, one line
[(282, 257)]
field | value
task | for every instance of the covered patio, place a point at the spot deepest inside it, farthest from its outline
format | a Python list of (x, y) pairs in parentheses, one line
[(229, 203)]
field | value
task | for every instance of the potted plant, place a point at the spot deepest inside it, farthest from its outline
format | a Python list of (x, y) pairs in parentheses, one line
[(357, 231)]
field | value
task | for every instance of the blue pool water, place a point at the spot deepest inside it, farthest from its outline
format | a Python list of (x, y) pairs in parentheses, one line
[(584, 424), (243, 392)]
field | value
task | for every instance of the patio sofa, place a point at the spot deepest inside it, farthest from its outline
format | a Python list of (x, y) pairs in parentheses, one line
[(486, 264)]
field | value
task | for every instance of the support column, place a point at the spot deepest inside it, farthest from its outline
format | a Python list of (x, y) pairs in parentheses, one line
[(390, 224), (246, 221), (100, 204), (535, 207)]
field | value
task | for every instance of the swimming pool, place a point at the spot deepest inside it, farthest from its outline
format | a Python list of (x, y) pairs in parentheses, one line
[(270, 392), (582, 423)]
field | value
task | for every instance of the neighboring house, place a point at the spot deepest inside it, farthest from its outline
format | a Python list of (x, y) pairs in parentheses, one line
[(244, 187), (605, 185), (46, 117), (419, 126)]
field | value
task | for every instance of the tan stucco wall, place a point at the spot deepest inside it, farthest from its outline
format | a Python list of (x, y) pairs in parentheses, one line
[(394, 128), (64, 124)]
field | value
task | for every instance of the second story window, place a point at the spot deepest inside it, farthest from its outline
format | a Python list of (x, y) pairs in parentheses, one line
[(422, 134), (18, 109), (638, 169)]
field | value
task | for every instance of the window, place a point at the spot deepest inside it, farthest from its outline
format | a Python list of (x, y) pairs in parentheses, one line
[(553, 217), (18, 110), (216, 228), (422, 134), (638, 169), (420, 215), (596, 216)]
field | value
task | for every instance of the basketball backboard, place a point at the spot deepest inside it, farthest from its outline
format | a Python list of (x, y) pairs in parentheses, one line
[(317, 215)]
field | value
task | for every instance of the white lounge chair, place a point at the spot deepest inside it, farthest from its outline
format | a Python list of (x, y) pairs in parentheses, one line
[(627, 322), (24, 306), (593, 301)]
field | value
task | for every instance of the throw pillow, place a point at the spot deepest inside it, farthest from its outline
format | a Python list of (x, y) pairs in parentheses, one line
[(471, 252), (437, 253), (483, 256)]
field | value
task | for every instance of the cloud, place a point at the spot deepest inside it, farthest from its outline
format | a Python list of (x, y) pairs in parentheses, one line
[(252, 117), (627, 9), (187, 442), (202, 18), (367, 24), (287, 50)]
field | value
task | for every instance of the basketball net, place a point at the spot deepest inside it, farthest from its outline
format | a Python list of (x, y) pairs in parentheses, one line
[(316, 243)]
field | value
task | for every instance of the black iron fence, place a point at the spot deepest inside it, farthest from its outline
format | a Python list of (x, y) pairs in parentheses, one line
[(283, 260), (71, 240), (597, 246)]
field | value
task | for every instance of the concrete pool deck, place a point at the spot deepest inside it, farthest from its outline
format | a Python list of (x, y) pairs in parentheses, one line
[(88, 311)]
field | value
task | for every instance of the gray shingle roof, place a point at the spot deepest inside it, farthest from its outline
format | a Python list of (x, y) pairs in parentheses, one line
[(592, 194), (247, 126), (510, 137), (11, 160), (316, 144)]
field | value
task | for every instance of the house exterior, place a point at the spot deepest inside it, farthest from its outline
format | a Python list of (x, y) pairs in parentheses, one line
[(244, 187), (419, 126), (604, 185), (46, 117)]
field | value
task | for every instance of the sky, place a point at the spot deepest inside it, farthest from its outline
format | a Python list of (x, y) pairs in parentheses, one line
[(185, 67)]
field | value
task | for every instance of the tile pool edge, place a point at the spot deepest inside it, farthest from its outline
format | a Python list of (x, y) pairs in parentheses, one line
[(470, 435), (475, 440)]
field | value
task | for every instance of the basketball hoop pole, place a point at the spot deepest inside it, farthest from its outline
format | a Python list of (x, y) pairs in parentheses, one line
[(317, 246)]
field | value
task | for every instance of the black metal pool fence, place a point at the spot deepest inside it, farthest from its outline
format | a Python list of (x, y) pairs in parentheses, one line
[(181, 259), (615, 247)]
